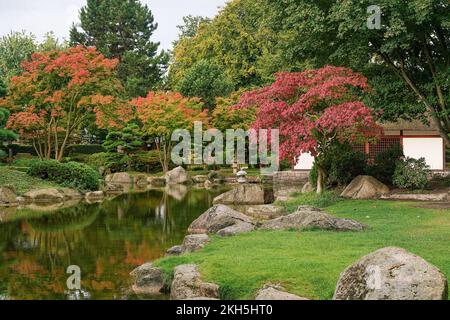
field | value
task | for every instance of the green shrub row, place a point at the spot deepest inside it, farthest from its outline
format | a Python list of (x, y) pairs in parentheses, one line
[(84, 149), (71, 174), (115, 162)]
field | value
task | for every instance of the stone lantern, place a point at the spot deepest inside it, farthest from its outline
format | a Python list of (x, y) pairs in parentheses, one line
[(242, 176)]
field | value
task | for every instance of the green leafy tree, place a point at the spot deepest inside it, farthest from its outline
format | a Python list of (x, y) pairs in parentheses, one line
[(51, 42), (129, 139), (207, 81), (413, 42), (190, 26), (15, 47), (236, 39), (122, 29)]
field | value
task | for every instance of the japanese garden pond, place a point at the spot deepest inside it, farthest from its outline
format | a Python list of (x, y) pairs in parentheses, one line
[(106, 240)]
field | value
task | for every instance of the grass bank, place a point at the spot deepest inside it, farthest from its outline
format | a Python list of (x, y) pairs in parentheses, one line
[(21, 181), (309, 263)]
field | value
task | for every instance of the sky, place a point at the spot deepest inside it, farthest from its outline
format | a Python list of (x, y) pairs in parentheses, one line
[(41, 16)]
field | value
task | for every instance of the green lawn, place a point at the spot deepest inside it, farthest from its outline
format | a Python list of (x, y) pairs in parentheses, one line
[(309, 263), (21, 181)]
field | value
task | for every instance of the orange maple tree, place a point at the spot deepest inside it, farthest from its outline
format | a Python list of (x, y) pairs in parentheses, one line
[(56, 93), (161, 113)]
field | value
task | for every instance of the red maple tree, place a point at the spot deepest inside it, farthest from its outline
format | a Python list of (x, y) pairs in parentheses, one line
[(56, 93), (314, 110)]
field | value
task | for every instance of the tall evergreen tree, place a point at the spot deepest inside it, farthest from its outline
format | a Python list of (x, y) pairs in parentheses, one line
[(122, 29)]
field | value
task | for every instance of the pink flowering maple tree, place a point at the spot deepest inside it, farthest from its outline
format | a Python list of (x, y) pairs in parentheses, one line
[(57, 93), (314, 110)]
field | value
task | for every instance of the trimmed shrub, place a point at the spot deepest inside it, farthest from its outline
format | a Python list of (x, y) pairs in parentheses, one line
[(84, 149), (17, 148), (71, 174), (25, 162), (146, 162), (115, 162), (411, 174), (385, 163)]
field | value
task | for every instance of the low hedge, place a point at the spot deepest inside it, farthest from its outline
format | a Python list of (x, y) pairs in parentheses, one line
[(84, 149), (71, 174), (115, 162)]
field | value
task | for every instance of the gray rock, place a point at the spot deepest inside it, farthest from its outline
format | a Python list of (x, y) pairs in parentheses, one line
[(119, 177), (48, 195), (391, 274), (194, 242), (365, 187), (156, 181), (217, 218), (246, 194), (8, 196), (71, 194), (307, 188), (263, 212), (187, 284), (178, 176), (113, 188), (140, 179), (235, 229), (95, 196), (175, 251), (199, 179), (417, 196), (308, 217), (273, 292), (148, 280)]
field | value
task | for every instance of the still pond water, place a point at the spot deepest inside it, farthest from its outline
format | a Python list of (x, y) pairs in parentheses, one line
[(106, 240)]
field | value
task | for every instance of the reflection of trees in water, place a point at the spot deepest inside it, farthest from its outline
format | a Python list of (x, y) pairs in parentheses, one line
[(106, 240)]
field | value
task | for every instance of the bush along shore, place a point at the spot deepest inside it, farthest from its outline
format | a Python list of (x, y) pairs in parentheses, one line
[(342, 248)]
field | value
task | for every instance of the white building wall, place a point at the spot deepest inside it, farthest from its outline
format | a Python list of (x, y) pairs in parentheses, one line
[(429, 148), (305, 162)]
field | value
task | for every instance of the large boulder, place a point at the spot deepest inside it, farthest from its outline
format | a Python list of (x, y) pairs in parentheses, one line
[(156, 181), (95, 196), (273, 292), (391, 274), (48, 195), (187, 284), (178, 176), (119, 177), (194, 242), (308, 187), (217, 218), (200, 179), (246, 194), (308, 217), (191, 243), (365, 187), (7, 196), (71, 194), (113, 188), (148, 280), (235, 229), (262, 211)]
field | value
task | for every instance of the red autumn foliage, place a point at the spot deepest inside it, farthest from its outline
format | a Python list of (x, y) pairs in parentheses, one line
[(57, 91), (313, 110)]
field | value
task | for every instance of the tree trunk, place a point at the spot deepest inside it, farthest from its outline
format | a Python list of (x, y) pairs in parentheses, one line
[(320, 179)]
